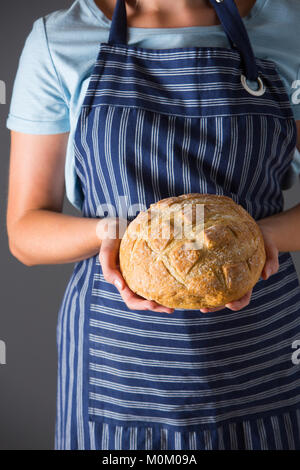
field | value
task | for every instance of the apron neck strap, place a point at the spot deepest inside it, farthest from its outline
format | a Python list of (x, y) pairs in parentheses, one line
[(118, 28), (229, 17), (236, 32)]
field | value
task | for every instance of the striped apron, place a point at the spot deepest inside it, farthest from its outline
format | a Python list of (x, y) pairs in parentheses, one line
[(157, 123)]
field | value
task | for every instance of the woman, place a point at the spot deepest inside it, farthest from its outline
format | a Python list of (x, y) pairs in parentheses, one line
[(156, 122)]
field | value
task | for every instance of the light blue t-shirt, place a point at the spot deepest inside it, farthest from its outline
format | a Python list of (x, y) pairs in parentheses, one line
[(61, 49)]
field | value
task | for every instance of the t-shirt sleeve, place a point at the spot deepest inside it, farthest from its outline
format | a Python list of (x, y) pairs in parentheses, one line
[(38, 103)]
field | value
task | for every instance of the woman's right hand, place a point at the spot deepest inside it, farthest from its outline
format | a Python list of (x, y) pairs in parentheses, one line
[(110, 233)]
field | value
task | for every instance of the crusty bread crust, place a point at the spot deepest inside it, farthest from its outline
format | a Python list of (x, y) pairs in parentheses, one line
[(166, 256)]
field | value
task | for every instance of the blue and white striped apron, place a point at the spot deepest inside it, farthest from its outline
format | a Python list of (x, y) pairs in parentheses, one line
[(159, 123)]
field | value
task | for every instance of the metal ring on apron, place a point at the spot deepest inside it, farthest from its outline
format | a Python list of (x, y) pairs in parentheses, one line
[(259, 92)]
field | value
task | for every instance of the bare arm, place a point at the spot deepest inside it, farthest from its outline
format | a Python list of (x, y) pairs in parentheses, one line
[(38, 232), (285, 226)]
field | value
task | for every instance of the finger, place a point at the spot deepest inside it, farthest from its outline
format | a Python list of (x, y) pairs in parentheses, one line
[(272, 263), (206, 310), (159, 308), (235, 305), (135, 302), (108, 257), (240, 303), (152, 305)]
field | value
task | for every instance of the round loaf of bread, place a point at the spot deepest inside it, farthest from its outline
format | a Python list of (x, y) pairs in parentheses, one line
[(192, 251)]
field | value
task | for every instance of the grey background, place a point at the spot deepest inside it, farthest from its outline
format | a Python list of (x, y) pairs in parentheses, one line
[(31, 296)]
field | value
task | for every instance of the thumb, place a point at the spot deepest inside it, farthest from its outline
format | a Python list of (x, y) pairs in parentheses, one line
[(272, 264), (108, 257)]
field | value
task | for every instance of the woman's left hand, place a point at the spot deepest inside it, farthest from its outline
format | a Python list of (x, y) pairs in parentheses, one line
[(271, 267)]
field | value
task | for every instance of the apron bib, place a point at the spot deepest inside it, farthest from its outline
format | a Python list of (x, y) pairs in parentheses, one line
[(160, 123)]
